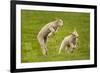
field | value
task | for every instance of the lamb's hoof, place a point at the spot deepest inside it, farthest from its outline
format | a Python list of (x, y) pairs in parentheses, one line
[(45, 55)]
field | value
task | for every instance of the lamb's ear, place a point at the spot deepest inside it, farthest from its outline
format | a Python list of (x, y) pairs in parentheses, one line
[(56, 18), (71, 33)]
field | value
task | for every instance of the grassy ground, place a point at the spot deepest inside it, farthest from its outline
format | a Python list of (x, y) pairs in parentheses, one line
[(33, 21)]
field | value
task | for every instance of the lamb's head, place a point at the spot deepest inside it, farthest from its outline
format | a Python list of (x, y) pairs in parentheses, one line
[(75, 34), (59, 22)]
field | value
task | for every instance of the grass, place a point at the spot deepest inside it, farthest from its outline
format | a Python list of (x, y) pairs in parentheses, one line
[(31, 23)]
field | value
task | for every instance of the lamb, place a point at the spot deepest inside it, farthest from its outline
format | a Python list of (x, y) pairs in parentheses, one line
[(47, 31), (70, 42)]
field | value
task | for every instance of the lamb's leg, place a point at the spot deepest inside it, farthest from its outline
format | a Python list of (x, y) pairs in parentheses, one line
[(43, 45), (66, 49), (44, 50), (45, 42), (60, 50), (61, 47), (71, 48)]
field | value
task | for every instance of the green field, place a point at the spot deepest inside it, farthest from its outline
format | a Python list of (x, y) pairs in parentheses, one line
[(31, 23)]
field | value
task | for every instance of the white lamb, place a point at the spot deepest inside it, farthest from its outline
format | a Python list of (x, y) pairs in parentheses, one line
[(48, 30), (70, 42)]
